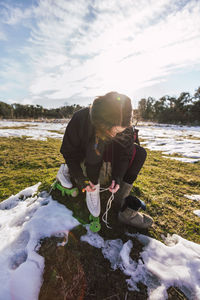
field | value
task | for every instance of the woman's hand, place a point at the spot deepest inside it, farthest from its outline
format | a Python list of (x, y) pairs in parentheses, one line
[(90, 187), (84, 185), (113, 188)]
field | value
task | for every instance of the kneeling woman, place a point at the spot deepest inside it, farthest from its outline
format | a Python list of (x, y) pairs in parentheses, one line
[(103, 132)]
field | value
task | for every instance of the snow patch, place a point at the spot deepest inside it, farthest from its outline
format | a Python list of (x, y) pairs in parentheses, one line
[(25, 219), (183, 159), (197, 212), (175, 263), (193, 197), (13, 200), (171, 139), (35, 130)]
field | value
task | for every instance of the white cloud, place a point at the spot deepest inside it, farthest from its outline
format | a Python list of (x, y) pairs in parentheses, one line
[(107, 40), (13, 71), (11, 15), (92, 47)]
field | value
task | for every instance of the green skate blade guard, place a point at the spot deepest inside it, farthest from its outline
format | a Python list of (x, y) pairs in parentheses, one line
[(70, 192), (95, 225)]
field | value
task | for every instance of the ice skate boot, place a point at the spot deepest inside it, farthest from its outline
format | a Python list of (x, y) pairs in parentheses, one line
[(63, 176), (93, 201)]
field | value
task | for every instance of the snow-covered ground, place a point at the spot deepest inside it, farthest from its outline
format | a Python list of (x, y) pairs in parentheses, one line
[(196, 198), (24, 219), (34, 130), (193, 197), (27, 217), (169, 139), (161, 265)]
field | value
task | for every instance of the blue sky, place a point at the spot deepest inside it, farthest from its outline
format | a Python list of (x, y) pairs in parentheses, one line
[(62, 52)]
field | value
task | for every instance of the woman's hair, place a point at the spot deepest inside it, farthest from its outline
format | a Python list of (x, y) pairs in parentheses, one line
[(112, 109)]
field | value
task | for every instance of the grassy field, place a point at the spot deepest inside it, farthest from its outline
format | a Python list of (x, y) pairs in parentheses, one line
[(162, 184), (25, 162)]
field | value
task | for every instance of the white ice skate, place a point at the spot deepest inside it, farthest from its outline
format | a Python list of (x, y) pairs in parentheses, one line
[(93, 201), (63, 176)]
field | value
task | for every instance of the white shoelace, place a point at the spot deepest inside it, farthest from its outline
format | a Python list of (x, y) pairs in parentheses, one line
[(108, 207)]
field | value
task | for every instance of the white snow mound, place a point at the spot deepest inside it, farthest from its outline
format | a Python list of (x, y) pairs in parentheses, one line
[(25, 219), (161, 266)]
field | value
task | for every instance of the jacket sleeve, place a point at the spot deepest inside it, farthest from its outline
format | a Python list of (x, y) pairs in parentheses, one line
[(71, 147)]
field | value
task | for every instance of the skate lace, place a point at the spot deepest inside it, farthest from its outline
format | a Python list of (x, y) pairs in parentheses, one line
[(108, 207)]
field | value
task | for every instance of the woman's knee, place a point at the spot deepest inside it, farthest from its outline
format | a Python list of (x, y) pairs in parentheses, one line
[(141, 152)]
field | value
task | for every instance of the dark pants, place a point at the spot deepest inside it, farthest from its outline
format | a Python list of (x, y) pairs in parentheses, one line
[(133, 169), (136, 165)]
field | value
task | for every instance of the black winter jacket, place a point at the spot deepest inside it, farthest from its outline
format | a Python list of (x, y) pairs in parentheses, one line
[(79, 145)]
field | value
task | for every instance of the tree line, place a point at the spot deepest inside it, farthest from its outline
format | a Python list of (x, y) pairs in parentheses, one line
[(19, 111), (184, 109)]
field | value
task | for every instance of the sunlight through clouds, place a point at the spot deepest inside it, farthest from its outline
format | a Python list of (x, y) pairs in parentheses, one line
[(91, 47)]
